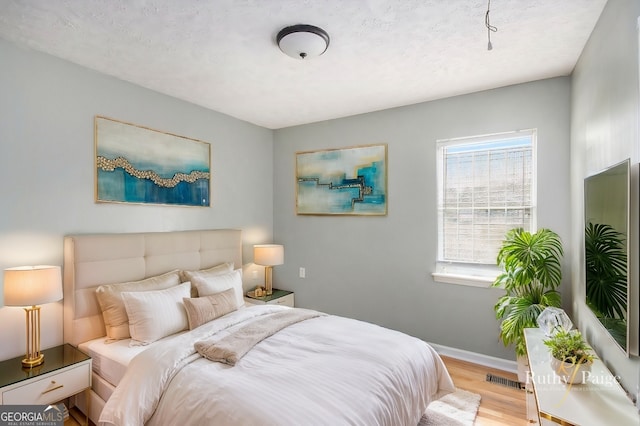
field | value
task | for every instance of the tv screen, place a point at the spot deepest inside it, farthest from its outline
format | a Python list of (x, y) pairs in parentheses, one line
[(606, 199)]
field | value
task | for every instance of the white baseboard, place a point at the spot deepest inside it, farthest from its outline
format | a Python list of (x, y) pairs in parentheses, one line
[(476, 358)]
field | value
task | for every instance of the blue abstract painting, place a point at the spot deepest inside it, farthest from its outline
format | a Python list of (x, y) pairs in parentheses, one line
[(346, 181), (135, 164)]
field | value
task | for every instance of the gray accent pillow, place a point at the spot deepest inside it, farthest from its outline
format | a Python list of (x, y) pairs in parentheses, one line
[(201, 310)]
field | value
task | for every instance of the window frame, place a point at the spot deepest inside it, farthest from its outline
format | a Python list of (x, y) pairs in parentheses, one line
[(465, 273)]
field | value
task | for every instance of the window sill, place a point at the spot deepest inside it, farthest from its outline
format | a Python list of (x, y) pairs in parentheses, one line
[(459, 279)]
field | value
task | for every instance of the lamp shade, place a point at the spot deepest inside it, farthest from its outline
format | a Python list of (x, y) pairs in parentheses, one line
[(32, 285), (268, 254)]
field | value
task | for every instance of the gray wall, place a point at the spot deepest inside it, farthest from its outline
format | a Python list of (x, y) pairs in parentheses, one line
[(47, 108), (604, 131), (378, 269)]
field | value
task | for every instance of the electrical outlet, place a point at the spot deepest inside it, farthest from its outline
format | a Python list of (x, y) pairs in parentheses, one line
[(255, 275), (303, 273)]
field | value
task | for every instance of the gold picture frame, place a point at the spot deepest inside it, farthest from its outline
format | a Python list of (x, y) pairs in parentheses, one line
[(343, 181), (140, 165)]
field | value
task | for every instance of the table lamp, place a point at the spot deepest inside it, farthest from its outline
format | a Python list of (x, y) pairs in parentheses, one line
[(29, 286), (268, 255)]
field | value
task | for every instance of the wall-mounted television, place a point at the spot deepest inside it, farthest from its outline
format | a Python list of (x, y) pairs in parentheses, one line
[(606, 239)]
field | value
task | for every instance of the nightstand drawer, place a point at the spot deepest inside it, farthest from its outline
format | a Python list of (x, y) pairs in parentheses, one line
[(284, 300), (54, 387)]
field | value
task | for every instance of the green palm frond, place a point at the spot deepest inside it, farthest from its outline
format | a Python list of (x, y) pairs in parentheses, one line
[(531, 259), (618, 329), (520, 312), (606, 270)]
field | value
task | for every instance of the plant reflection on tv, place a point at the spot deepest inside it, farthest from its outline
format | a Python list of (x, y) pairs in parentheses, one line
[(606, 278)]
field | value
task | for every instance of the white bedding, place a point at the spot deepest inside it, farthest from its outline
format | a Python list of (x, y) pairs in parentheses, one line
[(110, 360), (323, 371)]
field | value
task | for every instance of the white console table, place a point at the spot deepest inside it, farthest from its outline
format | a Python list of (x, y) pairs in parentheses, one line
[(600, 401)]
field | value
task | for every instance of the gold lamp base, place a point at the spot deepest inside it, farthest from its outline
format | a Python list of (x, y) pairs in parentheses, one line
[(33, 362), (33, 357), (268, 285)]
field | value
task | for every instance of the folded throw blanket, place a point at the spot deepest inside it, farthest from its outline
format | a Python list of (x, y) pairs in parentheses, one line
[(230, 349)]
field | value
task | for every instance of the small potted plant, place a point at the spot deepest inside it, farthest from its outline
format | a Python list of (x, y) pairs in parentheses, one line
[(571, 356)]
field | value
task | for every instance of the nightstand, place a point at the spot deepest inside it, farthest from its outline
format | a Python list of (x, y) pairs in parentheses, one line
[(279, 297), (66, 371)]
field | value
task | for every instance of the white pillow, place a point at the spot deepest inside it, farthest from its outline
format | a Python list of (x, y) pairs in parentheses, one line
[(209, 285), (156, 314), (114, 314), (223, 268)]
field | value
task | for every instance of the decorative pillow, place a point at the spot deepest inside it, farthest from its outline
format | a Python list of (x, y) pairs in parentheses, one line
[(109, 297), (201, 310), (223, 268), (156, 314), (219, 283)]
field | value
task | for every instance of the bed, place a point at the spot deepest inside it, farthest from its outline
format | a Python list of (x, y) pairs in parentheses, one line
[(297, 366)]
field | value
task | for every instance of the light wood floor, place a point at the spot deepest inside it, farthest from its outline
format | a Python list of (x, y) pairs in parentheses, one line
[(71, 421), (499, 404)]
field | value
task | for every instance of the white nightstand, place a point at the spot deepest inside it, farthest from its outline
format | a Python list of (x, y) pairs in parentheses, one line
[(66, 371), (279, 297)]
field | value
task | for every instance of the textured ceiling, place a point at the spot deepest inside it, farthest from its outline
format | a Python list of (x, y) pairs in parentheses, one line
[(221, 54)]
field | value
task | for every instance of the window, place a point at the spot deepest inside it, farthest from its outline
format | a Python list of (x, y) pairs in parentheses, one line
[(486, 186)]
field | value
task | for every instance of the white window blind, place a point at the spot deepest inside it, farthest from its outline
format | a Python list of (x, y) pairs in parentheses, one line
[(486, 187)]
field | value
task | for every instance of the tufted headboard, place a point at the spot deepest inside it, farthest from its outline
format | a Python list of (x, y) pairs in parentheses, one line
[(92, 260)]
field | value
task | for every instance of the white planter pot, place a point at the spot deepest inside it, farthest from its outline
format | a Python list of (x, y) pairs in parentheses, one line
[(571, 373), (523, 368)]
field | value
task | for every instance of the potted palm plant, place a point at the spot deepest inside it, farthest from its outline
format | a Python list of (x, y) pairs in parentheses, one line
[(571, 356), (532, 272)]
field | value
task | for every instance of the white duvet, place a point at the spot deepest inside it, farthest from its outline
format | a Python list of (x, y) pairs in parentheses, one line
[(326, 370)]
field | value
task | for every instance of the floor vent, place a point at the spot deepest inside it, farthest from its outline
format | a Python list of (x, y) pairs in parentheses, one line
[(504, 381)]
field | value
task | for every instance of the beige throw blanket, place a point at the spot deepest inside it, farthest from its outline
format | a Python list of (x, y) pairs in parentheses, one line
[(230, 349)]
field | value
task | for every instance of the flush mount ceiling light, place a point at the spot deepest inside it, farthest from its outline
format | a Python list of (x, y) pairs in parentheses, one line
[(303, 41)]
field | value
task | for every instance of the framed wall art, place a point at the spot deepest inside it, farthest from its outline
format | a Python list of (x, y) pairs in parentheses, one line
[(345, 181), (136, 164)]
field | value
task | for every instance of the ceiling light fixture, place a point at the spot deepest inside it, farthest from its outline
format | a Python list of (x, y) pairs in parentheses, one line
[(303, 41)]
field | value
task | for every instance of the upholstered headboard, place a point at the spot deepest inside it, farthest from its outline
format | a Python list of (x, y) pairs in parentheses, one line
[(92, 260)]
